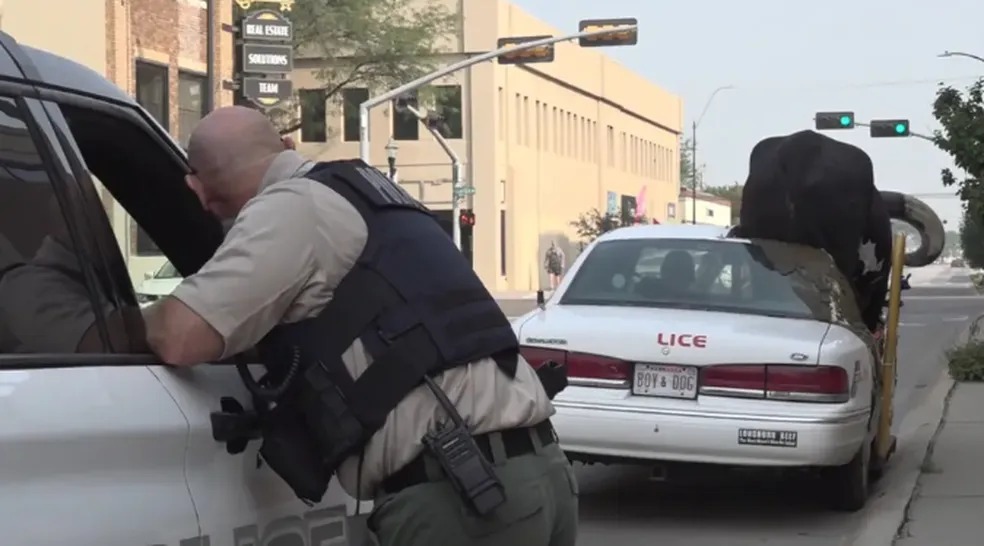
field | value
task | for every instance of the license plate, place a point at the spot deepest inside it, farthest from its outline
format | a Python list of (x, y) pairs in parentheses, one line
[(665, 381)]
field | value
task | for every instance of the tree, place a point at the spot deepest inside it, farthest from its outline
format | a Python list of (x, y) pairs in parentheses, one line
[(377, 44), (972, 238), (592, 224), (962, 136), (732, 193), (687, 166)]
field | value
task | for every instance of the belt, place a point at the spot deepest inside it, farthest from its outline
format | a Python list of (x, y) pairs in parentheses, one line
[(517, 441)]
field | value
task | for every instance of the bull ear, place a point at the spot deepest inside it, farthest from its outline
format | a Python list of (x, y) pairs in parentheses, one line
[(919, 215)]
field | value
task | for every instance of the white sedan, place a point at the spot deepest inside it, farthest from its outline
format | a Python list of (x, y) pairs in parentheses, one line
[(684, 346)]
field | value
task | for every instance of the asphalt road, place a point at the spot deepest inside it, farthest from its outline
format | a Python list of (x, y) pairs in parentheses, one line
[(619, 505)]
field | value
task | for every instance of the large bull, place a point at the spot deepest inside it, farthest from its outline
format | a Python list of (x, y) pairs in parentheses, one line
[(810, 189)]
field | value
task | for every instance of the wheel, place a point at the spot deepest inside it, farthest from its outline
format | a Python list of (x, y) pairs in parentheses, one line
[(848, 485)]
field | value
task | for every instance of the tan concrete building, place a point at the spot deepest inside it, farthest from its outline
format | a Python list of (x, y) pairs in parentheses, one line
[(540, 143), (710, 209), (153, 49)]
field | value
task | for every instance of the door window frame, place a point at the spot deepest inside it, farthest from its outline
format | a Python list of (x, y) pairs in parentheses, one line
[(55, 161)]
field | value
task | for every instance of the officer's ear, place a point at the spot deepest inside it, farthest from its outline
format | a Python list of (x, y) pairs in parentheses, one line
[(288, 143)]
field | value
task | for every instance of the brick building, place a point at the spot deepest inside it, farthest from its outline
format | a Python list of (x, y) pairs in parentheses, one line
[(153, 49)]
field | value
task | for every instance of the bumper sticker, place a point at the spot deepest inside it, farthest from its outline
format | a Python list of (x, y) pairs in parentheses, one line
[(771, 438)]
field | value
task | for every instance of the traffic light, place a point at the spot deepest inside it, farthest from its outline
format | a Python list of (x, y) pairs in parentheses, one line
[(887, 128), (541, 54), (835, 120), (618, 37), (467, 218)]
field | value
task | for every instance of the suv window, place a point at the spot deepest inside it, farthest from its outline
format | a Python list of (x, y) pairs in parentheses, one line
[(45, 302)]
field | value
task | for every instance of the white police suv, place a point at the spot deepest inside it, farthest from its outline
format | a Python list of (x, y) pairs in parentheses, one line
[(99, 442)]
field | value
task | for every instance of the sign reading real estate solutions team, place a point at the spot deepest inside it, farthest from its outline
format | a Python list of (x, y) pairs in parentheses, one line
[(266, 57)]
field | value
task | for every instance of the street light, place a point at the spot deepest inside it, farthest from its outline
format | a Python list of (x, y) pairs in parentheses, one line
[(391, 149), (693, 149), (946, 54)]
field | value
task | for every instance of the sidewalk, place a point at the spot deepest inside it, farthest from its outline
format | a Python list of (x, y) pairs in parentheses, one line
[(947, 508)]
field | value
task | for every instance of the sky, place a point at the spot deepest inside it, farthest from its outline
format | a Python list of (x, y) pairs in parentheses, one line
[(789, 59)]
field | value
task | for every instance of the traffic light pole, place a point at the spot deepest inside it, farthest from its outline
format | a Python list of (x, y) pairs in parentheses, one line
[(461, 65), (911, 132), (693, 173), (455, 175)]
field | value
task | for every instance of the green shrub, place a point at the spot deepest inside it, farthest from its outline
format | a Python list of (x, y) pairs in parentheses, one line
[(966, 363)]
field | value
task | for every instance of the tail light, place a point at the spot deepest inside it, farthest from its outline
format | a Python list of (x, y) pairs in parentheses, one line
[(583, 369), (777, 382)]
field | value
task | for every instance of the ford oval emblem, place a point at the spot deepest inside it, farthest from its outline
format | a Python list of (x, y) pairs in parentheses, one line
[(798, 357), (666, 351)]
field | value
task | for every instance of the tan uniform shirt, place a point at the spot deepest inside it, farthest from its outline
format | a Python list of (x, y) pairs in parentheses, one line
[(287, 251)]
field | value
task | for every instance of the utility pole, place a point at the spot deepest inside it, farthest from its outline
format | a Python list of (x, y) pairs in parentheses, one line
[(693, 148), (693, 172), (210, 86)]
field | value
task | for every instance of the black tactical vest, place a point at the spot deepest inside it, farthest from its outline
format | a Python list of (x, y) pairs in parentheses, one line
[(413, 301)]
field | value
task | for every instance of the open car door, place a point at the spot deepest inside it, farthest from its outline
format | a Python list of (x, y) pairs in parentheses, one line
[(92, 445), (111, 138)]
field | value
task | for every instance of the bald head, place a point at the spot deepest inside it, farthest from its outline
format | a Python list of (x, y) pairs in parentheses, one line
[(229, 135), (230, 151)]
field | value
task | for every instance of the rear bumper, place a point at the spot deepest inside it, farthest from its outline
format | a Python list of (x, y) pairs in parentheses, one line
[(705, 437)]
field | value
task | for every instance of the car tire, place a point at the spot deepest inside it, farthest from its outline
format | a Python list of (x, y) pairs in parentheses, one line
[(848, 486)]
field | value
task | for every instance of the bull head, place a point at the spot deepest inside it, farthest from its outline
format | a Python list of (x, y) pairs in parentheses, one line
[(912, 211)]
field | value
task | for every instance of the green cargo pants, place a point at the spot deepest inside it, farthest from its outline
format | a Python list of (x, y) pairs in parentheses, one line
[(540, 510)]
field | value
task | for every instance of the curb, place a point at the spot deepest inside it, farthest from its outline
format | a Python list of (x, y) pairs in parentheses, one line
[(887, 512)]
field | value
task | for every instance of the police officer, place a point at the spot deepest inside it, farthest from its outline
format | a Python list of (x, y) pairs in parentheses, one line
[(337, 241)]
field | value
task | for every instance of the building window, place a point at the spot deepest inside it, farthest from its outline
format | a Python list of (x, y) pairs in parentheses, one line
[(610, 137), (526, 121), (352, 98), (710, 213), (502, 243), (152, 91), (191, 103), (314, 115), (671, 210), (447, 104), (519, 118), (502, 114), (406, 126)]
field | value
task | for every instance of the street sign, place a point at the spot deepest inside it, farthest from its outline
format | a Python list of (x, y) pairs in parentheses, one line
[(267, 25), (617, 37), (462, 191), (542, 54), (268, 58), (267, 92)]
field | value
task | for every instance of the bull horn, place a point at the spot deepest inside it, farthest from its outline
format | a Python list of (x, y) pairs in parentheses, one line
[(912, 211)]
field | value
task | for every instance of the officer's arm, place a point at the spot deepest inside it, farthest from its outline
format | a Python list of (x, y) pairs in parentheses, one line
[(246, 288)]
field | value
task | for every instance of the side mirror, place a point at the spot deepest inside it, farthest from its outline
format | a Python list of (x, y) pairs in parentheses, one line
[(540, 300), (148, 275)]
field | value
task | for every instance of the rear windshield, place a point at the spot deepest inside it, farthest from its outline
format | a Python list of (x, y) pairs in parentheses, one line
[(729, 276)]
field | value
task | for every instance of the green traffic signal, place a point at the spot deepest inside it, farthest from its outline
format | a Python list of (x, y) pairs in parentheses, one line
[(887, 128), (834, 120)]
